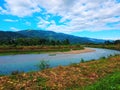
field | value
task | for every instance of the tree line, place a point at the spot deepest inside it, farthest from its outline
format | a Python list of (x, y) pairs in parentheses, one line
[(112, 42), (33, 41)]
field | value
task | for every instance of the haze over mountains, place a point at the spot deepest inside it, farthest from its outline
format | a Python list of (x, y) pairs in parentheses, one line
[(47, 35)]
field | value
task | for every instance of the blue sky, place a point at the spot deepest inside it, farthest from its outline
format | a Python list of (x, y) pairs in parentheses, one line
[(85, 18)]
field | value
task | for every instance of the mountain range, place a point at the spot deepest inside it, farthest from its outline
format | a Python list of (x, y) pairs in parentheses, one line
[(47, 35)]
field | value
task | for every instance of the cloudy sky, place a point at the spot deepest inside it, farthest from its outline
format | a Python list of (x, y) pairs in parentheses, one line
[(85, 18)]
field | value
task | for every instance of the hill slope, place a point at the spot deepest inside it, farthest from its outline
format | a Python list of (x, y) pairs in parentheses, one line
[(58, 36), (47, 35), (10, 35)]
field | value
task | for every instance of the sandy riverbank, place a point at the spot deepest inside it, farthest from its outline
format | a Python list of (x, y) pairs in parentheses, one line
[(75, 51)]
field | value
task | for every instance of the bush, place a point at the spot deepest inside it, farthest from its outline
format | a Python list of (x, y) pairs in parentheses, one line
[(15, 72), (82, 60), (102, 57), (43, 65)]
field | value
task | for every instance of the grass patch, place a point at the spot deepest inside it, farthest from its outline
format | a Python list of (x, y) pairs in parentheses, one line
[(110, 82)]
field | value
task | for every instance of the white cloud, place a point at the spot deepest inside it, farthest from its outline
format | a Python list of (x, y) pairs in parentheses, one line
[(10, 20), (21, 8), (82, 14), (114, 38), (2, 11), (14, 29), (42, 23)]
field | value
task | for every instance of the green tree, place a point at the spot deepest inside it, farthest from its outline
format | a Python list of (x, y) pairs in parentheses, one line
[(66, 42)]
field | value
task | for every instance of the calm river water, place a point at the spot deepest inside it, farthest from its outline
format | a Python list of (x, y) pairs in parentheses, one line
[(28, 62)]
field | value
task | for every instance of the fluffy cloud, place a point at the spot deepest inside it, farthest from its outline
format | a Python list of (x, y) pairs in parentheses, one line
[(20, 8), (14, 29), (42, 23), (10, 20), (82, 14)]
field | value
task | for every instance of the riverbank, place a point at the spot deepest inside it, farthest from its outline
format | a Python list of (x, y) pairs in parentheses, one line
[(51, 52), (85, 50), (10, 50), (111, 46), (74, 76)]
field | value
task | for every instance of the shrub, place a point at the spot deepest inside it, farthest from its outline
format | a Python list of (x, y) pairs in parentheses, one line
[(82, 60), (102, 57), (43, 65), (15, 72)]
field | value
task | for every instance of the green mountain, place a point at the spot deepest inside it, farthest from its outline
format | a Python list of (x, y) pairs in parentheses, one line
[(10, 35), (48, 35)]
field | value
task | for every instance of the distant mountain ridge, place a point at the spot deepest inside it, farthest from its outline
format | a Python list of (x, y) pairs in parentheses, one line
[(10, 35), (47, 35)]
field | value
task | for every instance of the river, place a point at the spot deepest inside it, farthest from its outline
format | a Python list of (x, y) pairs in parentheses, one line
[(28, 62)]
